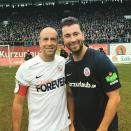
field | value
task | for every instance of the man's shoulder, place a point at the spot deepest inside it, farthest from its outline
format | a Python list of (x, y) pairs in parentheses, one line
[(93, 51), (29, 63), (96, 55), (59, 58)]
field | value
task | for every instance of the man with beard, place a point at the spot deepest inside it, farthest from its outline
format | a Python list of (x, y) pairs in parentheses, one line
[(42, 79), (94, 83)]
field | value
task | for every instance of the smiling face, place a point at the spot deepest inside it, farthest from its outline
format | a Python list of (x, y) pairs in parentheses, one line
[(48, 42), (73, 37)]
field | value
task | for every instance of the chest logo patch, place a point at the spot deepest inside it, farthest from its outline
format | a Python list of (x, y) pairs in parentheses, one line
[(87, 71), (59, 68)]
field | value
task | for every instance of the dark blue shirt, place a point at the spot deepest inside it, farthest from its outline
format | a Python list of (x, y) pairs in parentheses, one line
[(89, 80)]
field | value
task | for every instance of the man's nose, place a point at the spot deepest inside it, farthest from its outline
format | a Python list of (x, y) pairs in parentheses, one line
[(73, 38), (49, 42)]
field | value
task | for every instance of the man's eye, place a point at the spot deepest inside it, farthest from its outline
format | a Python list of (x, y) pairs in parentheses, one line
[(67, 36), (53, 39), (76, 34), (44, 39)]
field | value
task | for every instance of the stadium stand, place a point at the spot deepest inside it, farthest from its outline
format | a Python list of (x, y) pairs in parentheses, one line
[(20, 23)]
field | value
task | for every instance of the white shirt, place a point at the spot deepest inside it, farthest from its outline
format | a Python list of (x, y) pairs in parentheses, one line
[(46, 93)]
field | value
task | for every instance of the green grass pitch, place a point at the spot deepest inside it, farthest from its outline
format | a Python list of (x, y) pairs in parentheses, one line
[(7, 84)]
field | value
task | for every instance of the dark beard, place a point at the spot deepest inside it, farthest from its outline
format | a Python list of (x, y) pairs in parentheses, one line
[(78, 51)]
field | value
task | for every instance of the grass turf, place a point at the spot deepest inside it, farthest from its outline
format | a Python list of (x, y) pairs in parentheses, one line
[(7, 84)]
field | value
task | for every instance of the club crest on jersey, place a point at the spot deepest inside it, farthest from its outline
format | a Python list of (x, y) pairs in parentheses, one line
[(87, 71), (60, 68)]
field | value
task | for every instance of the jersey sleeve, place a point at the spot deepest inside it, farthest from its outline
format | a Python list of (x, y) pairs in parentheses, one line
[(107, 74), (21, 84)]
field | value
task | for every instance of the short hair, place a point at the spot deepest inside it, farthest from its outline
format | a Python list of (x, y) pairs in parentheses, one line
[(68, 21)]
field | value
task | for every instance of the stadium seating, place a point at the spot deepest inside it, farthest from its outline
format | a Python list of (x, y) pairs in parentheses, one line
[(102, 23)]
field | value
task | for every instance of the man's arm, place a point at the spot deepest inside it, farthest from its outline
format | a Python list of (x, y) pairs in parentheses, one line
[(70, 105), (17, 110), (110, 111)]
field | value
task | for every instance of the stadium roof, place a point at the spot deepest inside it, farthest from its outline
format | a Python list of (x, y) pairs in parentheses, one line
[(34, 1), (30, 2)]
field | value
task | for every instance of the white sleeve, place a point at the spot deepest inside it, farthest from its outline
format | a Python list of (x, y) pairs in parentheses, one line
[(20, 79)]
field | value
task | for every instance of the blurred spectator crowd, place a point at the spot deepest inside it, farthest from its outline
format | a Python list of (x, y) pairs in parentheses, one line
[(102, 23)]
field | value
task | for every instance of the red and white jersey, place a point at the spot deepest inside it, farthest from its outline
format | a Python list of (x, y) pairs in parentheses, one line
[(46, 93)]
